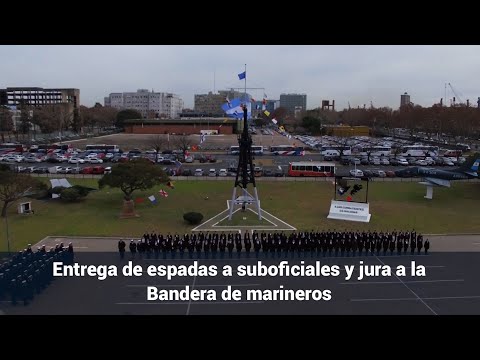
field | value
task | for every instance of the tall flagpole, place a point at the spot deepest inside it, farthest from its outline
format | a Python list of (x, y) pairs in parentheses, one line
[(245, 92)]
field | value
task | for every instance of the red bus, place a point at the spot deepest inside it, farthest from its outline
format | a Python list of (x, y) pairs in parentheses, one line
[(52, 147), (12, 147), (311, 168)]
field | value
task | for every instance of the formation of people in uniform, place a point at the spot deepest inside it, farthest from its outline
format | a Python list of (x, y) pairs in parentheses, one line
[(29, 272), (313, 243)]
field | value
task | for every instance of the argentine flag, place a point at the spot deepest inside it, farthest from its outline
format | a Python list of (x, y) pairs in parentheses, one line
[(234, 109)]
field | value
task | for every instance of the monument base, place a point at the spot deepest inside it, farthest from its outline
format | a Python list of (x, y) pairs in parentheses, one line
[(128, 210), (429, 194), (349, 211)]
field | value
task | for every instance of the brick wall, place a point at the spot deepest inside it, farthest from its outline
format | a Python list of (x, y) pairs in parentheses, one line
[(176, 129)]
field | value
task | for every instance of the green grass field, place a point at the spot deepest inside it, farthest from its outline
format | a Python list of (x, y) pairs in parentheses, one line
[(303, 205)]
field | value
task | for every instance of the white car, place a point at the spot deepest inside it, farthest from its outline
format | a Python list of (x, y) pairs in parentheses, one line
[(421, 162), (76, 161), (198, 172), (108, 170), (403, 162), (356, 173), (95, 161), (13, 159), (189, 159), (212, 172), (223, 172)]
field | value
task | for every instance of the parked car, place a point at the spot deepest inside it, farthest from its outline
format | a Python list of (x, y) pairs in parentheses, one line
[(98, 170), (268, 173), (187, 172), (198, 172), (222, 172), (212, 172), (390, 173), (257, 171), (86, 170), (356, 173)]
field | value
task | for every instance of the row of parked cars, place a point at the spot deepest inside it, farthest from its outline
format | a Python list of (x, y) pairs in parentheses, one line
[(93, 170), (411, 161), (372, 173)]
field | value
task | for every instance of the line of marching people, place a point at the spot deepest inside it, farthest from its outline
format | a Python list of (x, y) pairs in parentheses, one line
[(28, 273), (324, 243)]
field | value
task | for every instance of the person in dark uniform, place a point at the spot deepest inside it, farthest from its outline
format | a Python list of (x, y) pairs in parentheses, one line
[(247, 243), (373, 245), (399, 246), (368, 243), (384, 243), (392, 246), (133, 248), (199, 246), (230, 246), (222, 244), (379, 246), (162, 241), (190, 246), (181, 245), (238, 244), (257, 244), (426, 246), (207, 244), (214, 245), (354, 244), (419, 244), (405, 244), (413, 245), (140, 248), (121, 248)]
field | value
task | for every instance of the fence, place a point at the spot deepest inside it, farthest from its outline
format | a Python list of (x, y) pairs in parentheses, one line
[(258, 179)]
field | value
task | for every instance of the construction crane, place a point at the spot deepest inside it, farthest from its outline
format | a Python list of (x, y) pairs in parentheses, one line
[(457, 96)]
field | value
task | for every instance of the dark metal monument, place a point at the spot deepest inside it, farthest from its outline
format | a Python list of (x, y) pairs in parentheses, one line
[(245, 172)]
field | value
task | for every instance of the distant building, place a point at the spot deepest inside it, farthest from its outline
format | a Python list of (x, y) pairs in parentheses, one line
[(292, 101), (149, 104), (211, 104), (404, 99), (37, 97), (347, 131), (270, 106), (15, 97)]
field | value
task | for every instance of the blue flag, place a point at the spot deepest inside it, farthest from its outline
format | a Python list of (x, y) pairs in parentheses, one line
[(234, 109), (242, 75)]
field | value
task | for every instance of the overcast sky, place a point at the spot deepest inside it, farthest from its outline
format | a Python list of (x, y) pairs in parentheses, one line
[(356, 74)]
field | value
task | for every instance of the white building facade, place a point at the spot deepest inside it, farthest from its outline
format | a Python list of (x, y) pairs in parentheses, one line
[(149, 104)]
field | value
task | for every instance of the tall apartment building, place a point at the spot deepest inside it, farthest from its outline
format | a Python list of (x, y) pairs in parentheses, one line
[(36, 96), (404, 99), (211, 104), (149, 104), (293, 101)]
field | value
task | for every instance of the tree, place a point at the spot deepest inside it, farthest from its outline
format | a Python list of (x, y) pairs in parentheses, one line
[(14, 186), (127, 114), (183, 142), (193, 218), (158, 143), (138, 174), (312, 124)]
